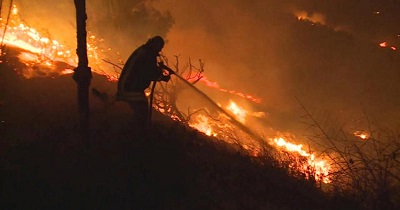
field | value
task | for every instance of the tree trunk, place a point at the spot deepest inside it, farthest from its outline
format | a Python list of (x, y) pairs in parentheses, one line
[(83, 73)]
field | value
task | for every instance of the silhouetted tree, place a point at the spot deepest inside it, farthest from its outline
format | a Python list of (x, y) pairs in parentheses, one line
[(83, 73)]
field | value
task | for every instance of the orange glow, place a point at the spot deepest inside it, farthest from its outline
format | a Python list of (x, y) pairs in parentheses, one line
[(321, 167), (215, 85), (385, 44), (67, 71), (42, 51), (202, 125), (362, 135), (239, 112), (318, 166), (291, 147), (313, 17), (242, 113), (14, 10)]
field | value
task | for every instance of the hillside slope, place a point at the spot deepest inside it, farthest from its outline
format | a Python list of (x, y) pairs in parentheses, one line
[(45, 164)]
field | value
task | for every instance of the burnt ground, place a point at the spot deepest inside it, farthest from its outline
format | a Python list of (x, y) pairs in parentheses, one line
[(46, 164)]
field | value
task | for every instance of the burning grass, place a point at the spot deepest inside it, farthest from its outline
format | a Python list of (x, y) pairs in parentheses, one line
[(366, 165), (346, 166), (45, 164), (43, 56)]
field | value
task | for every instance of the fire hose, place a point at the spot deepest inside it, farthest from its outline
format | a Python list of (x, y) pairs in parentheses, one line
[(254, 135), (153, 87), (163, 66), (232, 118)]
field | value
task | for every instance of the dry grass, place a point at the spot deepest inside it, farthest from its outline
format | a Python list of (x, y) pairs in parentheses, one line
[(45, 164)]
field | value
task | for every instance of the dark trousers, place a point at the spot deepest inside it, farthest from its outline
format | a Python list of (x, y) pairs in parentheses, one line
[(140, 115)]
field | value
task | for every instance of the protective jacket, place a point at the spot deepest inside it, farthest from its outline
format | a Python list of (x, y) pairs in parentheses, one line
[(140, 69)]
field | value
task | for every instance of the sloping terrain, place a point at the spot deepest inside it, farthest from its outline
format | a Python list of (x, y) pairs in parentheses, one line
[(45, 164)]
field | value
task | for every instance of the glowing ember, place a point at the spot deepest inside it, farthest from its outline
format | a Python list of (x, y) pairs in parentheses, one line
[(362, 135), (313, 18), (383, 44)]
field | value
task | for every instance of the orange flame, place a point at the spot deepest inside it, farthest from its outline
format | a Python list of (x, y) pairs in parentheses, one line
[(239, 112), (202, 125), (14, 10), (44, 51), (215, 85), (322, 167), (362, 135), (383, 44), (313, 17)]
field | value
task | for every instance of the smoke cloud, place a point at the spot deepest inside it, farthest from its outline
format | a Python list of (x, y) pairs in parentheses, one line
[(330, 59), (123, 24)]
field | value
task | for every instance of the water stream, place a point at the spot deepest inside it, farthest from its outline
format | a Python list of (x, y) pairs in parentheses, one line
[(261, 141)]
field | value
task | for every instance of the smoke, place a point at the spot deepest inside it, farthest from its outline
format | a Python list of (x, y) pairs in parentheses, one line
[(330, 59), (331, 62), (127, 23), (123, 24)]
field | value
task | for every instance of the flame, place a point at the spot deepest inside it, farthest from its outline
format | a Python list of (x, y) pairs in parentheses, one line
[(321, 167), (314, 17), (67, 71), (42, 51), (202, 124), (205, 124), (362, 135), (241, 113), (14, 10), (45, 52), (215, 85), (238, 111), (383, 44)]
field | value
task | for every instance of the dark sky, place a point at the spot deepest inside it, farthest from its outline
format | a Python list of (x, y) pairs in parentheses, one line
[(333, 64), (326, 53)]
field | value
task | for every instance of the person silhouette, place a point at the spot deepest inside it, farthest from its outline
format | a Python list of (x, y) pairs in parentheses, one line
[(138, 72)]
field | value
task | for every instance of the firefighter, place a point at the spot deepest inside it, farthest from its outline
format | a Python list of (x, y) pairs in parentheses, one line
[(138, 72)]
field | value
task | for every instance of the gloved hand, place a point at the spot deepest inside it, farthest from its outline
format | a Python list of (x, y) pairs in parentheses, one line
[(165, 78), (163, 66)]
